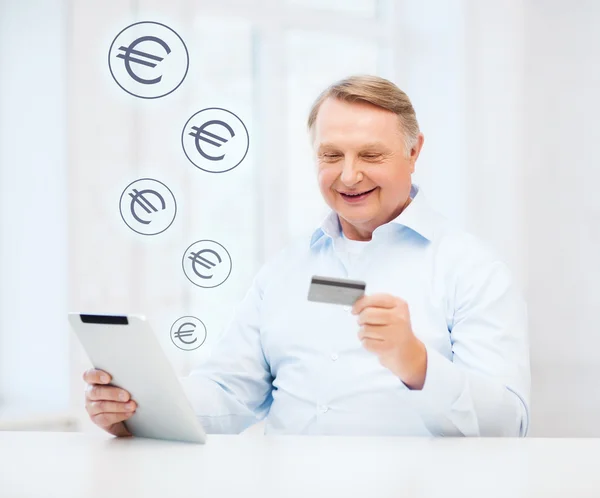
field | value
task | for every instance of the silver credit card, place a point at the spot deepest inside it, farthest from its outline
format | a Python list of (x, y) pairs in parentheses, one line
[(335, 290)]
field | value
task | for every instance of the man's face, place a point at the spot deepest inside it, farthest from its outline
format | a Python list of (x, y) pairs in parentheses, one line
[(360, 148)]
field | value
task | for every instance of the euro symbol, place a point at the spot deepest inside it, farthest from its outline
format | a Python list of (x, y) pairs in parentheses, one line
[(196, 258), (126, 56), (138, 199), (185, 333), (201, 134)]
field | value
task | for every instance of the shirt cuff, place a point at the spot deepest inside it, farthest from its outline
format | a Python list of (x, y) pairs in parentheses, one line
[(443, 381), (443, 402)]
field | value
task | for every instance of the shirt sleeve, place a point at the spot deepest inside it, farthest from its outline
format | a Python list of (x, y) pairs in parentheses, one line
[(483, 390), (232, 390)]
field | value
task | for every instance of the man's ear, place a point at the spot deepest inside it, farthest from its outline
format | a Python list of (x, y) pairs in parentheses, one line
[(416, 150)]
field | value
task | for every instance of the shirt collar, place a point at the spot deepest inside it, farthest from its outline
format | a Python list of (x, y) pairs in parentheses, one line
[(417, 216)]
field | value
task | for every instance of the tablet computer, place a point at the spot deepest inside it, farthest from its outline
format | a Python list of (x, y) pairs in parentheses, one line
[(126, 348)]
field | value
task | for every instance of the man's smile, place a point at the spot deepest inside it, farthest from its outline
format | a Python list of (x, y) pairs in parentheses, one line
[(357, 196)]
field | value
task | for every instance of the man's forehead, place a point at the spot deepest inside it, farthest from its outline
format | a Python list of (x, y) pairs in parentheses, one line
[(358, 125), (353, 117)]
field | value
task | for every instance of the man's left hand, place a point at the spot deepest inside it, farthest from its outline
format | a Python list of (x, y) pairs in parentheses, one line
[(385, 330)]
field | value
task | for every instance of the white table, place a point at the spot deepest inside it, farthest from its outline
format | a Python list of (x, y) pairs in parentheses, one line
[(80, 465)]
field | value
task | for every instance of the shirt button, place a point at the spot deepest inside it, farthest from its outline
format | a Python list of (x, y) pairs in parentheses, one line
[(323, 409), (347, 308), (334, 356)]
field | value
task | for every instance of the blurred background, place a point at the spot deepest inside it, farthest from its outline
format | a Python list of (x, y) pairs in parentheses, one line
[(505, 93)]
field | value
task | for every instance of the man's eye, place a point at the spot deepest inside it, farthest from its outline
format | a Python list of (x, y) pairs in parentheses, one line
[(372, 156), (331, 156)]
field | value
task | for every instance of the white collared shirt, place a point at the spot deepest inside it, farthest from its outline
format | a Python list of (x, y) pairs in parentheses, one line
[(301, 365), (349, 250)]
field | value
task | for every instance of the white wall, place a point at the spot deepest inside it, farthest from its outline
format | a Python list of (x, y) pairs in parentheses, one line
[(33, 222), (562, 105)]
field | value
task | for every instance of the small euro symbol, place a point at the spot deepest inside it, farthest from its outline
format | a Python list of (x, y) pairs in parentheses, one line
[(147, 206), (142, 58), (197, 259), (138, 199), (200, 133), (181, 333), (188, 333)]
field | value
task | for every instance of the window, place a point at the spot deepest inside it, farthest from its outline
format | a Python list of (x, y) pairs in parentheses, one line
[(264, 60), (363, 8)]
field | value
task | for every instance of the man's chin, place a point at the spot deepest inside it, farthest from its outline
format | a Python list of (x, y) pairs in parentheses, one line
[(355, 216)]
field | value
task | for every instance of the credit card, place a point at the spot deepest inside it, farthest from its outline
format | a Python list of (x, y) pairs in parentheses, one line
[(335, 290)]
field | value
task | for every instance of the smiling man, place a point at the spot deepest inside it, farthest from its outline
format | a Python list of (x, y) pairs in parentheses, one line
[(437, 346)]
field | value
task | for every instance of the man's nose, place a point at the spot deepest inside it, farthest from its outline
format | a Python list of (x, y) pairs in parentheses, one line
[(350, 172)]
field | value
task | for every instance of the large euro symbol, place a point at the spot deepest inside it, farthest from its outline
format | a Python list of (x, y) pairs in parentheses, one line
[(198, 259), (128, 51), (138, 199), (200, 133)]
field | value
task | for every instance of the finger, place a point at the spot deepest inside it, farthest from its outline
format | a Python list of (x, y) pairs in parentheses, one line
[(119, 430), (374, 345), (375, 316), (376, 300), (96, 407), (106, 393), (94, 376), (108, 419), (376, 333)]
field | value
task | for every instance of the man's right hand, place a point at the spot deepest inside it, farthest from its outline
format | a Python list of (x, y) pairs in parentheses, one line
[(107, 406)]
